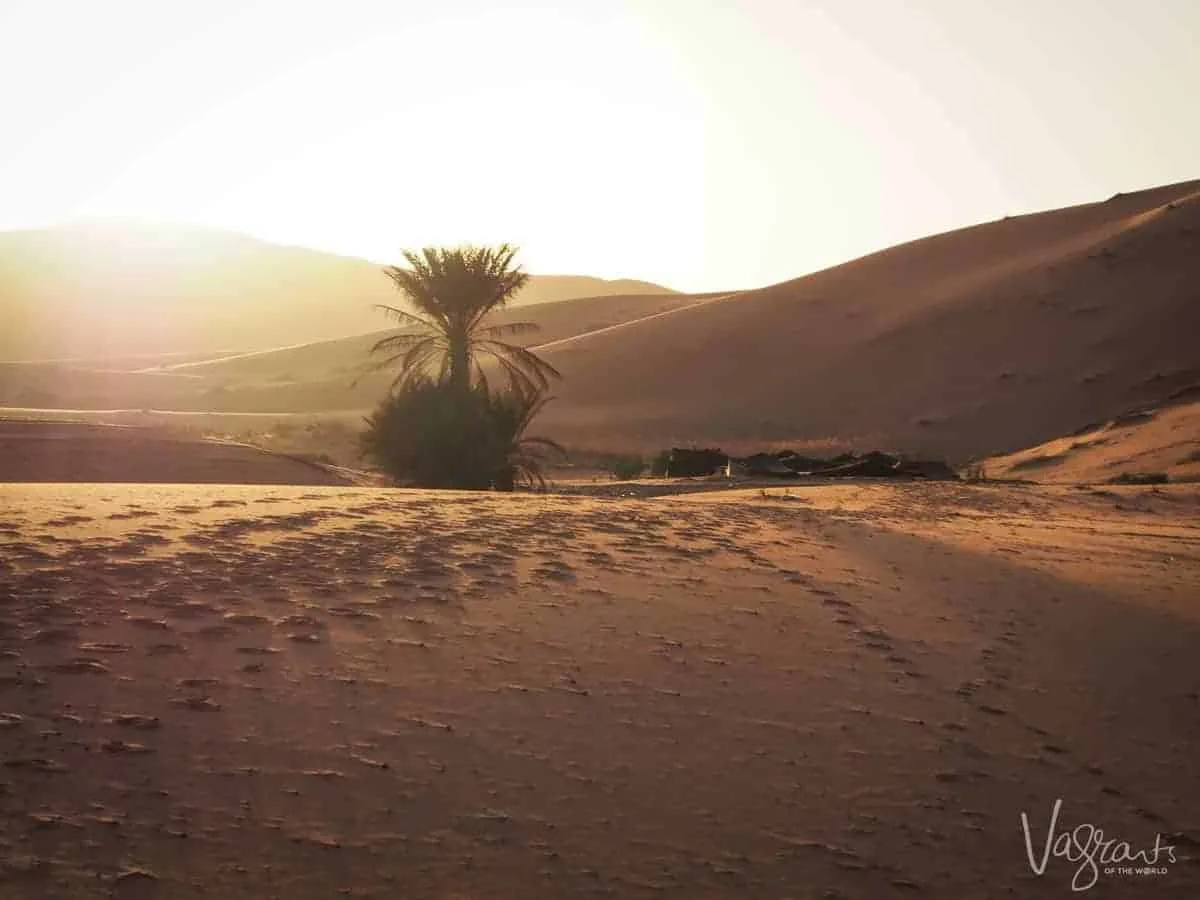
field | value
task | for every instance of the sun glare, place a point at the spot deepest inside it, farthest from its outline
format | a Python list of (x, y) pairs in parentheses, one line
[(696, 146)]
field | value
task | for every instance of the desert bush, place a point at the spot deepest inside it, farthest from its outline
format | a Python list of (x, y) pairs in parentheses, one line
[(437, 435), (623, 468), (1140, 478), (519, 460)]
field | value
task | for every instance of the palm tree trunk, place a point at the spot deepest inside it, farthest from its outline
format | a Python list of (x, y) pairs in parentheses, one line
[(504, 480), (460, 364)]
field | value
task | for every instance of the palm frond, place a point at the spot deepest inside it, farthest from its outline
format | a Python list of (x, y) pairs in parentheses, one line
[(404, 317), (525, 366), (508, 329), (400, 347), (397, 342), (551, 445), (452, 291)]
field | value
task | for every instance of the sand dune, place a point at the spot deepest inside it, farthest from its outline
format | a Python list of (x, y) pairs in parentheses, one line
[(331, 375), (849, 692), (1162, 441), (118, 289), (977, 341), (556, 321)]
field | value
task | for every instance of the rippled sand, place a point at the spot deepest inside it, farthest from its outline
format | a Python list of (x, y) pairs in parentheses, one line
[(835, 692)]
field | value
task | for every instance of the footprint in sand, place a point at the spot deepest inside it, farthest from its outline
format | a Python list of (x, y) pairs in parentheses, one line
[(554, 570), (134, 720), (135, 884), (132, 514), (117, 746), (77, 666), (828, 597), (354, 612), (166, 648), (300, 620), (196, 704), (36, 764), (53, 635), (875, 638), (198, 682), (189, 609), (64, 521), (104, 647), (217, 631), (246, 619)]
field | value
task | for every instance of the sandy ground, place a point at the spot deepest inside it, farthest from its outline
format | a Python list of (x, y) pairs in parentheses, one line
[(840, 692), (66, 451)]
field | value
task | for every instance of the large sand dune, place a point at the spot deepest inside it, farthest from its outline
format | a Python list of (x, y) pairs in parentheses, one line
[(977, 341)]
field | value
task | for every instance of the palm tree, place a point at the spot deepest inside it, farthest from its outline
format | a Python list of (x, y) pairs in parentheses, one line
[(453, 291)]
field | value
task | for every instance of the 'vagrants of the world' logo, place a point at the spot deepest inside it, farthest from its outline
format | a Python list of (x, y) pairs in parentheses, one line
[(1086, 845)]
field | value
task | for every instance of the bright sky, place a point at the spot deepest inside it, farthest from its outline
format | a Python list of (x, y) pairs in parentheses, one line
[(705, 145)]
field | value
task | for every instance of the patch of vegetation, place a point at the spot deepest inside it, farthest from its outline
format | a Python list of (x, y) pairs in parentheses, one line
[(430, 434), (625, 468), (1140, 478)]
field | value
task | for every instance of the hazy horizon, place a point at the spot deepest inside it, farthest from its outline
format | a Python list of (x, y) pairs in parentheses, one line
[(702, 149)]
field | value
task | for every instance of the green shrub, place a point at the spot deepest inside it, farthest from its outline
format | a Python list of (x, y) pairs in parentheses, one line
[(438, 435), (624, 468)]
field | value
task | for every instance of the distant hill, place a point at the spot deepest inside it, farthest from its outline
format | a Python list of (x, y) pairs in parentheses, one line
[(319, 376), (112, 290)]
